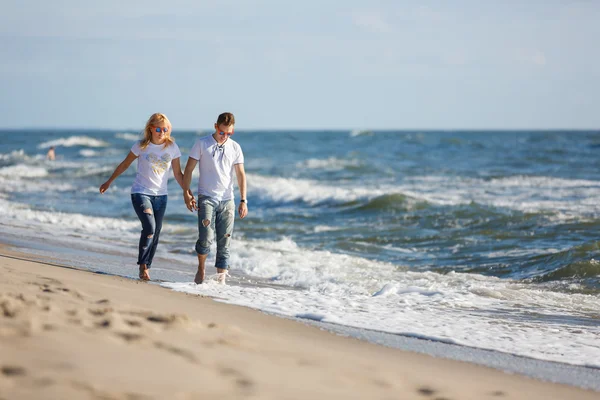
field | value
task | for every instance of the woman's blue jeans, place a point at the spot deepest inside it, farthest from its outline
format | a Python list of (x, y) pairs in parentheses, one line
[(150, 210)]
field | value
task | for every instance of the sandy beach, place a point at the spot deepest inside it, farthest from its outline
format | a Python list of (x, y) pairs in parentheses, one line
[(69, 333)]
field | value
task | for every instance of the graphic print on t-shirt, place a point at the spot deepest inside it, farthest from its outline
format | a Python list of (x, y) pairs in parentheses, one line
[(159, 165)]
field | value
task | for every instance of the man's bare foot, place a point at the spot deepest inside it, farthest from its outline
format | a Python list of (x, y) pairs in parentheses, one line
[(221, 275), (144, 273), (199, 276)]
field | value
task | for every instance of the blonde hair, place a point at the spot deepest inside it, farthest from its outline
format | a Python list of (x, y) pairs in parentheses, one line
[(154, 119)]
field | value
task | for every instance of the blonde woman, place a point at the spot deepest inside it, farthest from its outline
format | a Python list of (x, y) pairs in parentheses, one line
[(157, 152)]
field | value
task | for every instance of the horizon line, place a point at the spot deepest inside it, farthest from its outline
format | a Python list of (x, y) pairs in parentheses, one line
[(130, 130)]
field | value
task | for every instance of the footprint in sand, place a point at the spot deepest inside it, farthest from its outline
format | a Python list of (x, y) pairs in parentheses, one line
[(48, 327), (12, 304), (382, 383), (50, 280), (13, 371), (8, 308), (164, 320), (133, 323), (188, 355), (103, 324), (242, 382), (130, 337), (53, 286), (428, 392), (100, 312)]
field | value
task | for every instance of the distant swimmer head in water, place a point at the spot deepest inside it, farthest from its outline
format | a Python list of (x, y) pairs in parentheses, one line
[(51, 155)]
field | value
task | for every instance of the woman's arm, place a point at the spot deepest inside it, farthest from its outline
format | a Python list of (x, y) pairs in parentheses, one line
[(188, 197), (176, 165), (118, 171)]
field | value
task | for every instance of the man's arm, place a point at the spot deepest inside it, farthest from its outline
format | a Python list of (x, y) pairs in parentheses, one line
[(177, 174), (241, 178), (188, 197)]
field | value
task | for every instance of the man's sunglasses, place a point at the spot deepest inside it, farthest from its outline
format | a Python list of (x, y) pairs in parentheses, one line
[(225, 133), (159, 130)]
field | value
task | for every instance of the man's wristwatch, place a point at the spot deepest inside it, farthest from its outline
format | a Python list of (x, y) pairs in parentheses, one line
[(243, 201)]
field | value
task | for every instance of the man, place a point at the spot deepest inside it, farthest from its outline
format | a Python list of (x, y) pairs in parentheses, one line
[(51, 155), (218, 156)]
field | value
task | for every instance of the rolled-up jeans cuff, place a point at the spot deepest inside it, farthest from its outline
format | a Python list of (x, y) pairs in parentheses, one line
[(222, 266), (202, 250)]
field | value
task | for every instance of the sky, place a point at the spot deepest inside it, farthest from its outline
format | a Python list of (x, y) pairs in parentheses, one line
[(309, 64)]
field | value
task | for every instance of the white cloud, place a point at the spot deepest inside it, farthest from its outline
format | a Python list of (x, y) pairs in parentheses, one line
[(538, 58), (456, 57), (531, 57), (371, 21), (427, 14)]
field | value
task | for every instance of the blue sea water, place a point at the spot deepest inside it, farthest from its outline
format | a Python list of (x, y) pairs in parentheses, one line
[(487, 239)]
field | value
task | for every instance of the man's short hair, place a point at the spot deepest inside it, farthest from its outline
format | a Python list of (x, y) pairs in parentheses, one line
[(226, 119)]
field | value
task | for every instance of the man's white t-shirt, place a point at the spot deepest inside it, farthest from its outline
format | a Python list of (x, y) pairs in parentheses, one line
[(154, 164), (216, 166)]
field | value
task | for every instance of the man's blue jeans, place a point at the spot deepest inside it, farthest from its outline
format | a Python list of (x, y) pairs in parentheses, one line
[(150, 210), (215, 220)]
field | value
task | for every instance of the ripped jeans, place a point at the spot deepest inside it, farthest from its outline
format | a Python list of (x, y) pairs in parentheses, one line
[(150, 210), (215, 219)]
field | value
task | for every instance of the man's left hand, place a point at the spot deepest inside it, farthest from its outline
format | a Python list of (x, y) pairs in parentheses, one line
[(243, 210)]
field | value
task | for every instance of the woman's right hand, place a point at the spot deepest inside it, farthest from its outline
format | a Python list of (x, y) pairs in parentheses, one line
[(104, 187)]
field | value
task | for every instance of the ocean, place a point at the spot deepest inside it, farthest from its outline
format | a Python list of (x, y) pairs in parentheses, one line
[(484, 239)]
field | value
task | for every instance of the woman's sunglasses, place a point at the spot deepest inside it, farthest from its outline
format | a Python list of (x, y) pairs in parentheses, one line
[(159, 130)]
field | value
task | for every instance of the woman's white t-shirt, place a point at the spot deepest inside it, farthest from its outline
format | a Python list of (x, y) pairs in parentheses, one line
[(154, 164)]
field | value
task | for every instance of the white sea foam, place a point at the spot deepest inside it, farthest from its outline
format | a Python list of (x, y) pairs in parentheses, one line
[(521, 252), (71, 141), (93, 169), (325, 228), (563, 198), (15, 155), (28, 185), (466, 309), (87, 152), (36, 175), (23, 171), (58, 223), (310, 191), (122, 189), (331, 163), (70, 228), (132, 137), (361, 132)]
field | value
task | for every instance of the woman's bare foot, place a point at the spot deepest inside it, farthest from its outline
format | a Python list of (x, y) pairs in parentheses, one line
[(144, 274), (201, 264), (199, 276)]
